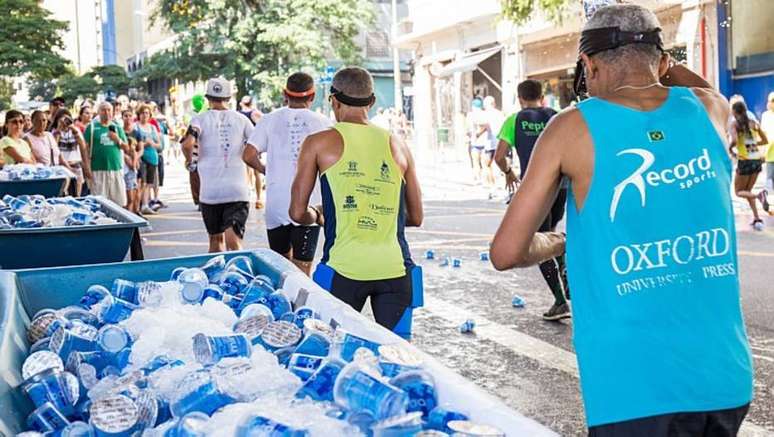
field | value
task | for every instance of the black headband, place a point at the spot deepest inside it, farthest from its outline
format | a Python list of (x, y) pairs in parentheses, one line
[(593, 41), (352, 101)]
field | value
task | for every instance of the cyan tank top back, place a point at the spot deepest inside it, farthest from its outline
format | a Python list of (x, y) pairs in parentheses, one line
[(652, 263)]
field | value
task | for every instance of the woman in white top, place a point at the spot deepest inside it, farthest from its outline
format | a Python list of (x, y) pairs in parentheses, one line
[(42, 142), (72, 148)]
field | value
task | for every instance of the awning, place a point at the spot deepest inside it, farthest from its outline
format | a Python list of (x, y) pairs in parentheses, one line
[(468, 62)]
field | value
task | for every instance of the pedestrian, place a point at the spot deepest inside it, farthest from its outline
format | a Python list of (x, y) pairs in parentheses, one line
[(84, 117), (651, 246), (72, 149), (494, 120), (221, 134), (159, 121), (478, 134), (246, 108), (149, 140), (279, 134), (520, 131), (746, 137), (54, 106), (105, 140), (131, 164), (43, 144), (27, 122), (13, 147), (370, 192), (767, 124)]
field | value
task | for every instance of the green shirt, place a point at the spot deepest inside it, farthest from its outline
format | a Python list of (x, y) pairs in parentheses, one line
[(21, 147), (105, 153), (508, 131)]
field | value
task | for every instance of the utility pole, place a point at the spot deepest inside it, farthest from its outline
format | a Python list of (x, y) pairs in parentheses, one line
[(395, 57)]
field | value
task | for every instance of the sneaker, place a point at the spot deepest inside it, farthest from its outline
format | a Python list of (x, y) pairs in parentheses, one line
[(148, 211), (763, 197), (558, 312), (758, 225), (154, 206)]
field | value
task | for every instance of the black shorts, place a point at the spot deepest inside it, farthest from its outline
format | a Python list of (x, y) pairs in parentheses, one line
[(147, 172), (556, 213), (747, 167), (389, 297), (719, 423), (221, 216), (302, 239)]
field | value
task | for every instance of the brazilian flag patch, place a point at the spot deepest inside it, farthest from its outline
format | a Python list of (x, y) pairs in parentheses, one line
[(655, 135)]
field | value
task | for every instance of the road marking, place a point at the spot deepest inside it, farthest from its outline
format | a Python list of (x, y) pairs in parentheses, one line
[(162, 243), (748, 253), (441, 243), (457, 216), (453, 233), (158, 234), (545, 353), (764, 357)]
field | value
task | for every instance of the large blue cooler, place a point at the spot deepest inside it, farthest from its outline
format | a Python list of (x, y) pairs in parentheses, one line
[(70, 245), (46, 187)]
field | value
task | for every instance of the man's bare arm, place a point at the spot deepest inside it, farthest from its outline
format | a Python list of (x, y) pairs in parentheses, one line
[(252, 157), (516, 243), (501, 156), (303, 184)]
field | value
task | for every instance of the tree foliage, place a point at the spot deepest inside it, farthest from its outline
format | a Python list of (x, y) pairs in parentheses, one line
[(520, 11), (100, 79), (29, 39), (6, 92), (256, 42)]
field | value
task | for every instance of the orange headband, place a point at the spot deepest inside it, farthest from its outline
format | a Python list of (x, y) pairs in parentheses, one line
[(306, 93)]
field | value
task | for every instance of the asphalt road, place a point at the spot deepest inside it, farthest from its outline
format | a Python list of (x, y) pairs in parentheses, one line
[(514, 354)]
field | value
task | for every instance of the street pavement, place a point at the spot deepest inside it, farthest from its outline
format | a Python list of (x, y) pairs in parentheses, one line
[(513, 354)]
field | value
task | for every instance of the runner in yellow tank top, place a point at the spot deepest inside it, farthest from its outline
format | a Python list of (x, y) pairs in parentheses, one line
[(370, 192)]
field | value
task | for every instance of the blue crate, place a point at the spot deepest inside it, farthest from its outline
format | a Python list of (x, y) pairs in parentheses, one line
[(70, 245), (46, 187), (24, 292)]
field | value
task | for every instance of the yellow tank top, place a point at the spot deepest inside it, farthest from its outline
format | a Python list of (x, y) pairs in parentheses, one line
[(364, 207), (747, 147)]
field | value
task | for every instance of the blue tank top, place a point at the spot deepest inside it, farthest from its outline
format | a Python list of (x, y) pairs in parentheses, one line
[(652, 263)]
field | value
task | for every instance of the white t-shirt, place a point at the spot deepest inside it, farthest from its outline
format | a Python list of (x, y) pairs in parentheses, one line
[(280, 135), (222, 138)]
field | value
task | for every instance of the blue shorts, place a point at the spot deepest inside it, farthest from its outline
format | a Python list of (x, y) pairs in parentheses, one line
[(130, 179)]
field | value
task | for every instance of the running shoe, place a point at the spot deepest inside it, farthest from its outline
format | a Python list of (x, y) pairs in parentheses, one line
[(763, 197), (148, 211), (558, 312), (758, 225)]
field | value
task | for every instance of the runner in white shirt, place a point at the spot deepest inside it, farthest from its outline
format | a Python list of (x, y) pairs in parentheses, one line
[(279, 135), (223, 196)]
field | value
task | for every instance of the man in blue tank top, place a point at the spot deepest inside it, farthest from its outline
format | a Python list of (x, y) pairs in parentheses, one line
[(658, 329)]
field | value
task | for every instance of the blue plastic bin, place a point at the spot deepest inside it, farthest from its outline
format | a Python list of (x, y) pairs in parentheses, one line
[(323, 276), (70, 245), (45, 187), (24, 292)]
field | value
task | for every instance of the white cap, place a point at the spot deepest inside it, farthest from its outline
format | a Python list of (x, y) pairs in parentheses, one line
[(218, 88)]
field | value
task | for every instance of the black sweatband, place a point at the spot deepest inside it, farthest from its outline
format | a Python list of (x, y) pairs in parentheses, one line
[(593, 41), (352, 101)]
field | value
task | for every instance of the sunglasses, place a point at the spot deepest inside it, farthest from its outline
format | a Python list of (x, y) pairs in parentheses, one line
[(16, 120)]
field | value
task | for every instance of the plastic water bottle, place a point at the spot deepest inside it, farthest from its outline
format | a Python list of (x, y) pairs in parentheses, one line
[(314, 343), (357, 388), (420, 387), (320, 385), (116, 310), (214, 267), (241, 264), (113, 338), (197, 392), (345, 344), (64, 341), (439, 417), (429, 254), (209, 350), (47, 418), (303, 365), (483, 256), (279, 304), (456, 262), (233, 283), (193, 282), (517, 301), (212, 291)]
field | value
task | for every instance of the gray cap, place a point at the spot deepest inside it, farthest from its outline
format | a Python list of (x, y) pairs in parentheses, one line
[(218, 88)]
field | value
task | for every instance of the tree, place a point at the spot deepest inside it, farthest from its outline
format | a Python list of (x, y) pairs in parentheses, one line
[(72, 87), (110, 78), (257, 42), (520, 11), (41, 89), (6, 92), (29, 39)]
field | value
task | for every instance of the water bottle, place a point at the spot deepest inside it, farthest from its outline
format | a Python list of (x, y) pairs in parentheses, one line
[(257, 291), (320, 385), (113, 338), (345, 344), (279, 304), (39, 362), (253, 326), (197, 392), (116, 310), (398, 426), (467, 326), (212, 291), (56, 387), (439, 417), (456, 262), (262, 426), (47, 418), (209, 350), (483, 256), (79, 337), (193, 282), (429, 254), (314, 343), (304, 313), (303, 365), (420, 387), (233, 283), (114, 415), (214, 267), (242, 265), (279, 335), (43, 324), (358, 388)]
